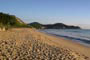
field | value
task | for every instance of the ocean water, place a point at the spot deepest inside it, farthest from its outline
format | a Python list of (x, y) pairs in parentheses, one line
[(78, 35)]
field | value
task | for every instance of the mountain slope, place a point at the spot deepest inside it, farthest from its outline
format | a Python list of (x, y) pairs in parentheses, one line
[(7, 20), (53, 26)]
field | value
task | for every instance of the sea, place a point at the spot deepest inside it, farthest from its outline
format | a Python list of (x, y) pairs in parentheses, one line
[(81, 36)]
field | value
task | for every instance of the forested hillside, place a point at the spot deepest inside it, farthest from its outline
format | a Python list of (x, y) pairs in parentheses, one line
[(7, 20)]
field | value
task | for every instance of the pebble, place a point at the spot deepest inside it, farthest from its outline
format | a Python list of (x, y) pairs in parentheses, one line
[(30, 48)]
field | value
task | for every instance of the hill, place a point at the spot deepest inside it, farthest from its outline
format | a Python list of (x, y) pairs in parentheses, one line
[(7, 20), (36, 25), (53, 26)]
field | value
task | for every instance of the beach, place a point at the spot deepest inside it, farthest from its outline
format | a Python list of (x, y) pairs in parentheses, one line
[(30, 44)]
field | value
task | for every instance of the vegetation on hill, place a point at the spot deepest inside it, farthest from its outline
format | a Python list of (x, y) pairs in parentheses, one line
[(53, 26), (35, 25), (7, 21), (60, 26)]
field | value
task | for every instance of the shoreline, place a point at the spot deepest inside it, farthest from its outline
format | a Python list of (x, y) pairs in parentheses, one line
[(70, 39), (72, 45)]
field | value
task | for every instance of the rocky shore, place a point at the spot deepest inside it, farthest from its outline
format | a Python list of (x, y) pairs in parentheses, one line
[(28, 44)]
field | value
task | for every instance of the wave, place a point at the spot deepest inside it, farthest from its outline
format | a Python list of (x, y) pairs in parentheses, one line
[(82, 36)]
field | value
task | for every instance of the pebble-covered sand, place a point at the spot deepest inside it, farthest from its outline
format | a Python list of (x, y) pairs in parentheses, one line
[(21, 44)]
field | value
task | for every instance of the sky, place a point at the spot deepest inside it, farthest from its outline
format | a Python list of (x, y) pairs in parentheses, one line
[(70, 12)]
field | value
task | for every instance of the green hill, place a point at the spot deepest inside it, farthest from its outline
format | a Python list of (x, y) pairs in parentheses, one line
[(35, 25), (7, 20)]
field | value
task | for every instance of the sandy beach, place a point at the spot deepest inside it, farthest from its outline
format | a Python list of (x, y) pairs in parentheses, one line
[(71, 44), (29, 44)]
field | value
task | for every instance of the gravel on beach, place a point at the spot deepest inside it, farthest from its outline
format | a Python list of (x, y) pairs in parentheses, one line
[(27, 44)]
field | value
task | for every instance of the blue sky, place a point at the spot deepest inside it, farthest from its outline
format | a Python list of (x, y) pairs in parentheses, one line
[(71, 12)]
